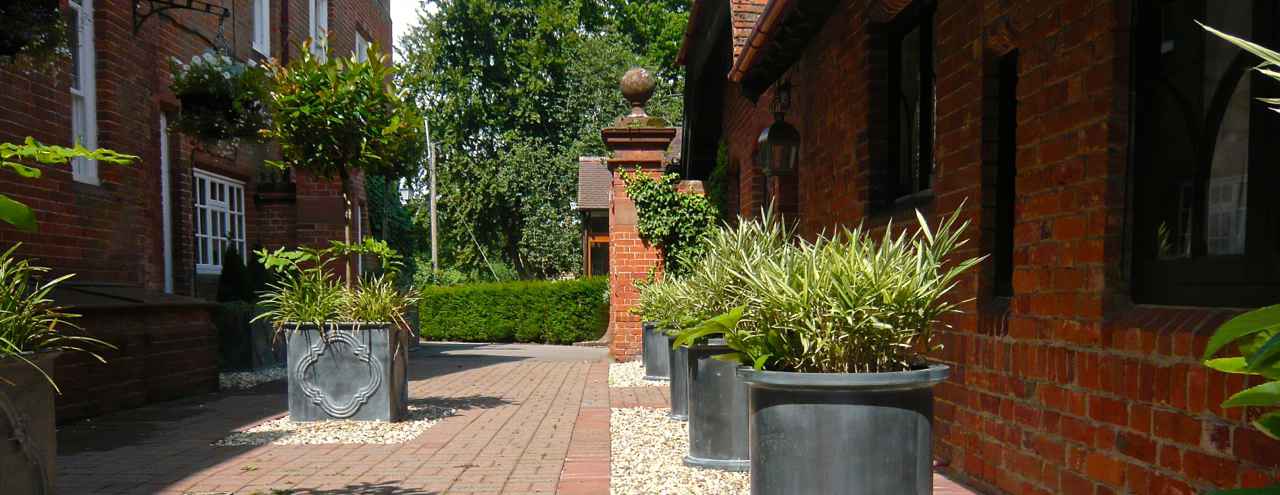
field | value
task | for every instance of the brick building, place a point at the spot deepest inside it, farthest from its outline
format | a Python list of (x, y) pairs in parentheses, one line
[(141, 238), (1113, 165)]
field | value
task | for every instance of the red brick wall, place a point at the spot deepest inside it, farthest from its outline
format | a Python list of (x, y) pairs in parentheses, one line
[(1070, 387)]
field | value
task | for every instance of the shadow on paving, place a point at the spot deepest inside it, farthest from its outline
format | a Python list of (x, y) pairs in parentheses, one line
[(383, 488), (169, 441)]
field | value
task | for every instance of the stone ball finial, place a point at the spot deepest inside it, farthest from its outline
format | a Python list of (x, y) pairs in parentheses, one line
[(637, 87)]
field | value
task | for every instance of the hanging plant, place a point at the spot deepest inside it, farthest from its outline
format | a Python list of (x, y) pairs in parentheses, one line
[(37, 31), (222, 99)]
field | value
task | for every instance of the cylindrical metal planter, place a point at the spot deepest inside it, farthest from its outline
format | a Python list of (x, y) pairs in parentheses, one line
[(842, 432), (717, 411), (655, 352), (679, 381)]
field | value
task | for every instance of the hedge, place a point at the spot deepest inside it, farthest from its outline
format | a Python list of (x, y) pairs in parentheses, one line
[(559, 312)]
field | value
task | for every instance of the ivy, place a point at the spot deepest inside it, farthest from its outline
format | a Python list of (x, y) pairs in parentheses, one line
[(672, 221)]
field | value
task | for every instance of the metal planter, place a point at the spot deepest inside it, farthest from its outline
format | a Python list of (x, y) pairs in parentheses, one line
[(348, 371), (28, 438), (717, 411), (842, 432), (679, 381), (655, 352)]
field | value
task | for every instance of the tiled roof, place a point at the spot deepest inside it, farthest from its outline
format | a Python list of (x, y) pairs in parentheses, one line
[(742, 13), (594, 180)]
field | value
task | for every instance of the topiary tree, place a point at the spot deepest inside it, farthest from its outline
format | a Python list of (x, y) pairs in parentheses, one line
[(334, 116)]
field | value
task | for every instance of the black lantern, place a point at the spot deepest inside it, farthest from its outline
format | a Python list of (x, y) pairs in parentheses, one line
[(778, 148)]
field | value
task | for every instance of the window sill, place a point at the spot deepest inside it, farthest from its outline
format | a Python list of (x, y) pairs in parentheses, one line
[(913, 200), (265, 52)]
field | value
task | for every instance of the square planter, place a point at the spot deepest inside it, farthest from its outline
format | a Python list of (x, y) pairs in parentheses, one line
[(655, 352), (28, 438), (353, 371)]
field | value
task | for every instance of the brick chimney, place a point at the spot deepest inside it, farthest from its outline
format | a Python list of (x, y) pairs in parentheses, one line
[(637, 142)]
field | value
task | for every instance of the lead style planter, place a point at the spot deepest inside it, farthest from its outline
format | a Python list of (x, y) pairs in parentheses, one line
[(347, 371), (679, 359), (842, 432), (28, 438), (655, 352), (717, 411)]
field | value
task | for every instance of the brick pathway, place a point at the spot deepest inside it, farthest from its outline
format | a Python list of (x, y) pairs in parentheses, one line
[(530, 420)]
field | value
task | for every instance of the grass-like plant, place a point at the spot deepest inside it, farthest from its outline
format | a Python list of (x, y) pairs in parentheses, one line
[(842, 303), (308, 292), (30, 321)]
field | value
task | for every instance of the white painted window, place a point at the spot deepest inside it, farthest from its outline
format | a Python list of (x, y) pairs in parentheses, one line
[(319, 31), (84, 106), (262, 26), (362, 48), (219, 219), (166, 217)]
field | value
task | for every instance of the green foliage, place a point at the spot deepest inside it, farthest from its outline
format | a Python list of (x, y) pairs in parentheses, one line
[(308, 292), (233, 282), (717, 184), (840, 304), (392, 222), (666, 303), (1269, 67), (221, 98), (29, 319), (338, 114), (34, 33), (235, 344), (672, 221), (549, 312), (518, 90), (12, 155)]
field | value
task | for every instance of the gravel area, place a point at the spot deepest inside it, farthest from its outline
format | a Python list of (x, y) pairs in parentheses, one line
[(648, 450), (630, 374), (281, 431), (241, 380)]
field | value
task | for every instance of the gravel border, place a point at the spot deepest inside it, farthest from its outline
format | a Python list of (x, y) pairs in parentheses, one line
[(281, 431), (243, 380), (630, 374), (648, 450)]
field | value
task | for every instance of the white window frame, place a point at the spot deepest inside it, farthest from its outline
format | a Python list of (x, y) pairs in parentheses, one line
[(166, 215), (362, 48), (262, 27), (212, 209), (319, 27), (84, 98)]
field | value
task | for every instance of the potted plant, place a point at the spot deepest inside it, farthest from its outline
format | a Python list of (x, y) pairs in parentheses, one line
[(833, 336), (664, 305), (346, 342), (655, 351), (221, 98), (33, 331)]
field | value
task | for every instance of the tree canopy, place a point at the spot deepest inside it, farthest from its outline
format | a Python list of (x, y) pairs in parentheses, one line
[(515, 91)]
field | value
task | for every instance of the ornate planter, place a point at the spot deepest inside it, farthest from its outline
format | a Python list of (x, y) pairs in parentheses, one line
[(348, 371), (679, 359), (717, 411), (655, 352), (28, 439), (842, 432)]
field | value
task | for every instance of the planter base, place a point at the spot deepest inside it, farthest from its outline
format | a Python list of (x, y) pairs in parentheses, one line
[(679, 381), (348, 373), (718, 419), (737, 465), (28, 439)]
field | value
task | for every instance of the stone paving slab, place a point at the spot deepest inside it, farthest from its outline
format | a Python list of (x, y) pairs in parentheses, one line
[(530, 420)]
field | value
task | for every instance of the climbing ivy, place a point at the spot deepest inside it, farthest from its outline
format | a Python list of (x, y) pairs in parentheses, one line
[(672, 221)]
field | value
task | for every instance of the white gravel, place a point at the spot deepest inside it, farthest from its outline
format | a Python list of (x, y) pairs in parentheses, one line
[(630, 374), (281, 431), (648, 450), (241, 380)]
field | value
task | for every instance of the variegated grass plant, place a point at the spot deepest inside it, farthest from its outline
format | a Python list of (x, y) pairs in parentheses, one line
[(30, 321), (842, 303)]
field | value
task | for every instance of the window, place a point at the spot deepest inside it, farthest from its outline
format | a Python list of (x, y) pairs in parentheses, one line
[(1000, 144), (262, 26), (1205, 221), (84, 107), (219, 219), (911, 100), (362, 48), (319, 27)]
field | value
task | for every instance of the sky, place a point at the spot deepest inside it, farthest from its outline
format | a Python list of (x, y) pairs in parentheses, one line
[(404, 15)]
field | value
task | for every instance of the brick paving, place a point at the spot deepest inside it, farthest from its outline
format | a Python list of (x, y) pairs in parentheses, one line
[(532, 420)]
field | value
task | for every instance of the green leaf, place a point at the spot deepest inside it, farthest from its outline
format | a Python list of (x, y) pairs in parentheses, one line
[(1270, 490), (1269, 424), (1255, 321), (17, 214), (22, 170), (1267, 394), (1266, 355)]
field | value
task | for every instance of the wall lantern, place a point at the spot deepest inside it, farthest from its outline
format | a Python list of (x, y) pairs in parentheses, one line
[(778, 148)]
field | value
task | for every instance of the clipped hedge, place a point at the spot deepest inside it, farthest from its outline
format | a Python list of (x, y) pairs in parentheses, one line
[(559, 312)]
